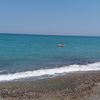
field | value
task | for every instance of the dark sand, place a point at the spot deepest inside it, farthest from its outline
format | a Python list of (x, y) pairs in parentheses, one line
[(72, 86)]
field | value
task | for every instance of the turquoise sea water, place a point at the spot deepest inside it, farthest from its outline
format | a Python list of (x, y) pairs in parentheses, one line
[(29, 53)]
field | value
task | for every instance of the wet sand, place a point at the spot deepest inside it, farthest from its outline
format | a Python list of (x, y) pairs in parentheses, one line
[(72, 86)]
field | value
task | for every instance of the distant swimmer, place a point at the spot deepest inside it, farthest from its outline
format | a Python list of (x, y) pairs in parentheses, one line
[(60, 45)]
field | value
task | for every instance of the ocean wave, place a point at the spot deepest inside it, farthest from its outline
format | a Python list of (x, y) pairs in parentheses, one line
[(53, 71), (2, 71)]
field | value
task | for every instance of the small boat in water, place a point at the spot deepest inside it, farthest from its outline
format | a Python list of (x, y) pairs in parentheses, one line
[(60, 45)]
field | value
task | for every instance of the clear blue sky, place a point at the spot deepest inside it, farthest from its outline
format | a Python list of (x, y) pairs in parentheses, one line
[(77, 17)]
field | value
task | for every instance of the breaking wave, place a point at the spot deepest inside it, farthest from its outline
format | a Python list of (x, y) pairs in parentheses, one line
[(53, 71)]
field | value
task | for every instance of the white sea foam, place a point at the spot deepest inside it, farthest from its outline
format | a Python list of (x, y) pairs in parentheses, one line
[(53, 71)]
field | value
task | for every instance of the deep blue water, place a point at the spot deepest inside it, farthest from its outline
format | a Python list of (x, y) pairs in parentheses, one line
[(31, 52)]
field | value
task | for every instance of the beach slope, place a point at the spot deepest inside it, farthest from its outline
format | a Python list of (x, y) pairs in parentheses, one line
[(72, 86)]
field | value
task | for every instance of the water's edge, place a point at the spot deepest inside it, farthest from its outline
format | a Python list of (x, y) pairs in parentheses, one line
[(49, 72)]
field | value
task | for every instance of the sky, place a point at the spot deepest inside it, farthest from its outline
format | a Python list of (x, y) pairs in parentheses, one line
[(55, 17)]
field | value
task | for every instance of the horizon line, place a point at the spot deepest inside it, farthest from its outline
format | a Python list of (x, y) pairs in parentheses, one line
[(12, 33)]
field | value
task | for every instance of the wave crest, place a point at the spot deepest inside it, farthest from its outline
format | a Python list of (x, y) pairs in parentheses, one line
[(53, 71)]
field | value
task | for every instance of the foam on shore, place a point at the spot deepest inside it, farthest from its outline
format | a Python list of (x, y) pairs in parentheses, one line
[(53, 71)]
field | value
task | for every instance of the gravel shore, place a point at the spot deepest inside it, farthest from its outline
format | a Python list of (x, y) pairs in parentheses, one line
[(72, 86)]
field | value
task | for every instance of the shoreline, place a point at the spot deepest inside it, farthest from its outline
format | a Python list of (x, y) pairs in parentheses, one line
[(71, 86), (49, 72)]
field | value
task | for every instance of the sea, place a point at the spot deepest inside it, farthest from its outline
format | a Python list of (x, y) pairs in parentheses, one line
[(25, 56)]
